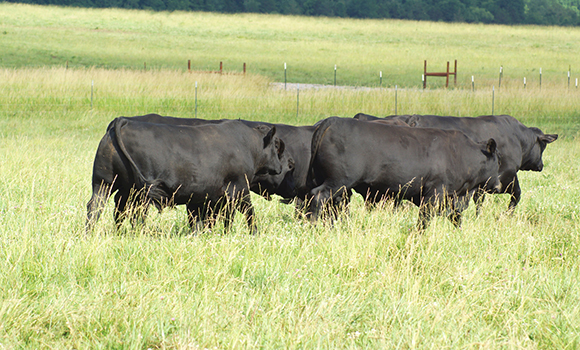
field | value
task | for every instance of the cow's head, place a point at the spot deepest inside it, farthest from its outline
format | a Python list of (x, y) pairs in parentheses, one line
[(269, 161), (492, 183), (364, 117), (413, 121), (532, 160), (282, 184)]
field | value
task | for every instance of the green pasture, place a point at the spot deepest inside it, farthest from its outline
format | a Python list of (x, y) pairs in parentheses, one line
[(35, 36), (370, 281)]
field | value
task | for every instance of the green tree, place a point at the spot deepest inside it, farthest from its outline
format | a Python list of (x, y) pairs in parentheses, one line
[(362, 9), (544, 12)]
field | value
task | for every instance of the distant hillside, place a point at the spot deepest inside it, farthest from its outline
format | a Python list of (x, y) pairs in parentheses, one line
[(541, 12)]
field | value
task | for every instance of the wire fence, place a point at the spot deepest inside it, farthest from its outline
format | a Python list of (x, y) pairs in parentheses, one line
[(285, 98)]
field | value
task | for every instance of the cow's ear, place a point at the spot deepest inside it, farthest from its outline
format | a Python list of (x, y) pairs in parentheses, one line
[(548, 138), (281, 148), (264, 129), (269, 136), (491, 146)]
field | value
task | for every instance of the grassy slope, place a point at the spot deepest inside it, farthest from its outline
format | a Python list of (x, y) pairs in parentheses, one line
[(500, 281), (38, 36)]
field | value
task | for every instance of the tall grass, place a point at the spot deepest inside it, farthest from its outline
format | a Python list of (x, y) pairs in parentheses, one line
[(370, 281), (61, 99)]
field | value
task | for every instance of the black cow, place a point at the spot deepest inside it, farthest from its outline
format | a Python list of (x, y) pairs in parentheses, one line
[(297, 140), (435, 169), (206, 167), (367, 117), (520, 147), (291, 183)]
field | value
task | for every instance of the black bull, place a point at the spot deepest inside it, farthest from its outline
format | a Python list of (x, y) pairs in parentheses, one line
[(432, 168), (297, 139), (520, 147), (207, 168)]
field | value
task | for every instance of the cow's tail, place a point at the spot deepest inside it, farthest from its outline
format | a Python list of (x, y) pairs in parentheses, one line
[(319, 132), (116, 126), (154, 189)]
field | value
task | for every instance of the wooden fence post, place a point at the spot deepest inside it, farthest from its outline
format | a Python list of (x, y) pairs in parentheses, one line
[(425, 75), (455, 73), (445, 74), (447, 81)]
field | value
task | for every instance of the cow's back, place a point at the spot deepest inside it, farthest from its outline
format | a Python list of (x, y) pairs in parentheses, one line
[(378, 161), (190, 160), (505, 130), (363, 154)]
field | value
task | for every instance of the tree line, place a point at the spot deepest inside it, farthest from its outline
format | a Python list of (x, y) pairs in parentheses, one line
[(540, 12)]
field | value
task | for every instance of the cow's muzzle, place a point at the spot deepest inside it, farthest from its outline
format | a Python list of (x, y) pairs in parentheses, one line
[(274, 172), (266, 172)]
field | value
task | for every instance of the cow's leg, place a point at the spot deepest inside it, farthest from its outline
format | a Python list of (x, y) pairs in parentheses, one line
[(425, 213), (370, 204), (341, 200), (428, 205), (454, 215), (319, 197), (196, 217), (326, 201), (455, 218), (397, 202), (131, 205), (225, 207), (371, 200), (458, 205), (478, 197), (95, 205), (138, 205), (228, 210), (238, 196), (300, 205), (139, 212), (192, 218), (121, 199), (371, 197), (247, 208), (208, 213), (516, 193)]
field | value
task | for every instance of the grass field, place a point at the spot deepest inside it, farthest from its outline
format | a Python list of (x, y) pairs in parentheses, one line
[(114, 38), (501, 281)]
